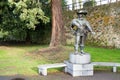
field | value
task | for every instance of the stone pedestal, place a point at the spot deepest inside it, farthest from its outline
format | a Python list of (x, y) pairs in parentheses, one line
[(80, 58), (79, 65)]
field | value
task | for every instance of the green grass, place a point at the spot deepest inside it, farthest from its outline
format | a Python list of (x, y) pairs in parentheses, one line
[(15, 60), (104, 54)]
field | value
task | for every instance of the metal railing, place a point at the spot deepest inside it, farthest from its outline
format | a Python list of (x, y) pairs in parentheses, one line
[(80, 5)]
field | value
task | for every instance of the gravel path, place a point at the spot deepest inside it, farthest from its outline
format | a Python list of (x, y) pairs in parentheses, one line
[(98, 75)]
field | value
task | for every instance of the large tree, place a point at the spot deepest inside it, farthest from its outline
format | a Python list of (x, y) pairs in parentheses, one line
[(22, 16), (57, 24)]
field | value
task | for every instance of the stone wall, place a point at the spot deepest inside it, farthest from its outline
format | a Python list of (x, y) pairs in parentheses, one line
[(105, 21)]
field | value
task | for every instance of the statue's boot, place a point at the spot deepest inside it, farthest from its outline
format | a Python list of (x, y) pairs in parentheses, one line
[(81, 49)]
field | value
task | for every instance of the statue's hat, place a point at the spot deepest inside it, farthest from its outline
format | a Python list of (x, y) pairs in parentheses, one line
[(82, 12)]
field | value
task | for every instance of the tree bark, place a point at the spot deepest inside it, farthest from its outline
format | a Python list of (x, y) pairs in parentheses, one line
[(57, 24)]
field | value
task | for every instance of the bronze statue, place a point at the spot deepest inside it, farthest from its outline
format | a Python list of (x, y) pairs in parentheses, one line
[(80, 27)]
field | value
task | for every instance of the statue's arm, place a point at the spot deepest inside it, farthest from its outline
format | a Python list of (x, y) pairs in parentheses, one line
[(71, 29), (74, 26), (89, 27)]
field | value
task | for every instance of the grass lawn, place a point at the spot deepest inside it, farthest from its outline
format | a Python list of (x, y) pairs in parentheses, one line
[(25, 59), (14, 60)]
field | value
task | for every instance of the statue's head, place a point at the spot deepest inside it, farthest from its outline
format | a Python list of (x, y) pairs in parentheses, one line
[(81, 13)]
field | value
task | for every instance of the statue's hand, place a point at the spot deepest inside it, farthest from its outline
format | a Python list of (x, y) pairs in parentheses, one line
[(93, 33)]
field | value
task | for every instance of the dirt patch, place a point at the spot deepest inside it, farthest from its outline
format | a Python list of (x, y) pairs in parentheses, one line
[(51, 54), (5, 47)]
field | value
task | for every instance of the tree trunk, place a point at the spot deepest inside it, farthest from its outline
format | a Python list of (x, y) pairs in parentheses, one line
[(28, 40), (57, 24)]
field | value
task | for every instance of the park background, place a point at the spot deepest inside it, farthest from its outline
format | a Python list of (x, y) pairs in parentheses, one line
[(28, 37)]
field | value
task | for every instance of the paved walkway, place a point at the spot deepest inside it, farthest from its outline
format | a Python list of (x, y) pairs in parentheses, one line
[(98, 75)]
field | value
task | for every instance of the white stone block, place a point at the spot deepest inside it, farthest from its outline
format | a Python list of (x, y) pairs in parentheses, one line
[(79, 69), (65, 69), (87, 73), (43, 71), (80, 72), (114, 69), (79, 66), (88, 66), (80, 58)]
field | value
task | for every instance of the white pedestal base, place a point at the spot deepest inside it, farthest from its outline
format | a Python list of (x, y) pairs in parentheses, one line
[(79, 69), (80, 58), (79, 65)]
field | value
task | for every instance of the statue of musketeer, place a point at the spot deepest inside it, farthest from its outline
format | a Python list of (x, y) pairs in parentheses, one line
[(80, 28)]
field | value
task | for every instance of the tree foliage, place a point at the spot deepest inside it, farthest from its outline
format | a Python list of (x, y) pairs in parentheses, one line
[(21, 17), (26, 19), (29, 12)]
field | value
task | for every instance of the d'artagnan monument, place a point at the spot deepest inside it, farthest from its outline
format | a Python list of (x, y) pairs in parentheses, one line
[(80, 28), (79, 63)]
